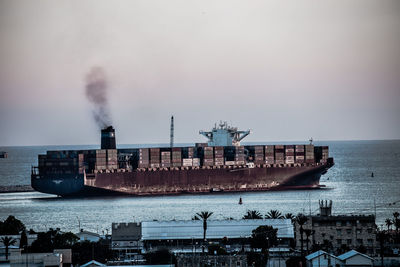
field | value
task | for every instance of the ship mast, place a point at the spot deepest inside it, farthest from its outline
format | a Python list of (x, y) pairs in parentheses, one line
[(171, 135)]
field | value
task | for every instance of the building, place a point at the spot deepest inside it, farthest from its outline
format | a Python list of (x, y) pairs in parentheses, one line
[(59, 257), (338, 233), (355, 258), (321, 258), (211, 260), (88, 236), (93, 263), (126, 240), (189, 234)]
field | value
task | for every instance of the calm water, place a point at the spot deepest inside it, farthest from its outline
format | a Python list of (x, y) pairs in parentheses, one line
[(349, 184)]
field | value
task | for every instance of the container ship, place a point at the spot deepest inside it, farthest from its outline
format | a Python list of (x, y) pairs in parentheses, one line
[(220, 165)]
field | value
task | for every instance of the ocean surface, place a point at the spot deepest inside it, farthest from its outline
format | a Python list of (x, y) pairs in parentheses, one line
[(348, 184)]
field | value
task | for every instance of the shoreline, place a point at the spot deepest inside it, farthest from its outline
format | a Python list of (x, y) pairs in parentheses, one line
[(16, 189)]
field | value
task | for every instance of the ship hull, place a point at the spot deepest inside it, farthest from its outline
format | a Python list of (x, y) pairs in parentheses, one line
[(182, 181)]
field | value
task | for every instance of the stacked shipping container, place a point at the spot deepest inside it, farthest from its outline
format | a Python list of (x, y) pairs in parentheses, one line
[(289, 154), (219, 156), (144, 158), (269, 154), (279, 154), (299, 154), (176, 157), (309, 153), (208, 156), (259, 154), (166, 159), (239, 155), (154, 157)]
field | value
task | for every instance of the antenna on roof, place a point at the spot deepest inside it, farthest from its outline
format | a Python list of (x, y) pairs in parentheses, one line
[(311, 140)]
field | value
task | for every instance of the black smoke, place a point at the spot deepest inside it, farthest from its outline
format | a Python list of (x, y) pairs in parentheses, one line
[(96, 92)]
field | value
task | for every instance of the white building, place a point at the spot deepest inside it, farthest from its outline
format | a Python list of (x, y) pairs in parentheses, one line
[(321, 258), (355, 258), (59, 257), (232, 229), (88, 236)]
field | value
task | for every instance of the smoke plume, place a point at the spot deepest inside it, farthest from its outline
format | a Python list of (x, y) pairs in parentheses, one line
[(96, 92)]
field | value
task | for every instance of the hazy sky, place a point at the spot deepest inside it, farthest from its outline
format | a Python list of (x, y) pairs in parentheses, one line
[(286, 70)]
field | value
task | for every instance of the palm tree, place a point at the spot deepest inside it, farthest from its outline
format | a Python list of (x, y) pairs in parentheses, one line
[(8, 241), (252, 215), (396, 220), (308, 233), (204, 215), (388, 223), (301, 219), (289, 216), (274, 214)]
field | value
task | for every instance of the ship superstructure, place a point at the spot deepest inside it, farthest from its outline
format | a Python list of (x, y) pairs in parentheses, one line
[(221, 165), (225, 135)]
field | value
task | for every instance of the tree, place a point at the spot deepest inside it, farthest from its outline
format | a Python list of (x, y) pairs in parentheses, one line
[(252, 215), (274, 214), (216, 250), (388, 223), (100, 251), (396, 220), (204, 215), (7, 242), (264, 237), (289, 216), (24, 240), (53, 239), (301, 219), (11, 226), (381, 236), (163, 256), (308, 233)]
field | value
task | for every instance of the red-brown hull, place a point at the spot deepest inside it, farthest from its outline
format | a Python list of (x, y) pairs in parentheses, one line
[(179, 181)]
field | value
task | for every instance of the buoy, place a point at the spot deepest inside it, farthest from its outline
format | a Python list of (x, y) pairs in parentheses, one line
[(240, 201)]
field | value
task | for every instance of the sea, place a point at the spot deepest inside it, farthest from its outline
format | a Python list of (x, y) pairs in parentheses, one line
[(349, 184)]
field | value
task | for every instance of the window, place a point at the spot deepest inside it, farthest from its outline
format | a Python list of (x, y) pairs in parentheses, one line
[(348, 231), (348, 241), (359, 231), (323, 234), (338, 223), (238, 264), (339, 241), (359, 241), (339, 231), (370, 241), (369, 230)]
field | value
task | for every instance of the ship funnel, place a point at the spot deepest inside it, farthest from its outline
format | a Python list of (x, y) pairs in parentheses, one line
[(108, 138)]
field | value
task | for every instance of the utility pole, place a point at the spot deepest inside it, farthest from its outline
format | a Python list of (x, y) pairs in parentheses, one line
[(171, 136)]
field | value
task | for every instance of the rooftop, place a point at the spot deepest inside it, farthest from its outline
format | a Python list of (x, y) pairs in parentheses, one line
[(352, 253), (165, 230)]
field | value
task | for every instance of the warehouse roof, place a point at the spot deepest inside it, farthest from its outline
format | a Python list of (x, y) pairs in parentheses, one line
[(164, 230)]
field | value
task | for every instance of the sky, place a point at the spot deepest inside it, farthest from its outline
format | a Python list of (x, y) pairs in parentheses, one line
[(287, 70)]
